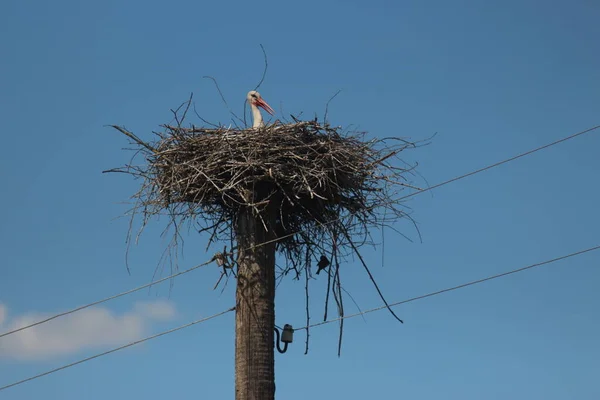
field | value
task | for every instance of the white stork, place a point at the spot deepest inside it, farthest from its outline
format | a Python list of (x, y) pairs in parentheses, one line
[(256, 101)]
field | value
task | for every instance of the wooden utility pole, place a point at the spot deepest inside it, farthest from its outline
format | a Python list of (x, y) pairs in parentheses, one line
[(306, 181), (255, 307)]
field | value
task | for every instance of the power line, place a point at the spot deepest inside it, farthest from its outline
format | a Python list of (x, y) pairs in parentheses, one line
[(501, 162), (115, 349), (313, 325), (103, 300), (292, 234), (514, 271)]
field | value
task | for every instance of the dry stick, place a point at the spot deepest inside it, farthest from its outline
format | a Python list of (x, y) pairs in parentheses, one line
[(261, 79), (306, 295), (189, 103), (370, 275), (176, 112), (202, 119), (266, 66), (219, 281), (383, 237), (327, 105), (134, 138), (353, 301), (168, 253), (333, 257), (223, 98), (340, 302)]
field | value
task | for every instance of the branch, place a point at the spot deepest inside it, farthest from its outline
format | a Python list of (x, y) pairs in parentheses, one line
[(134, 138)]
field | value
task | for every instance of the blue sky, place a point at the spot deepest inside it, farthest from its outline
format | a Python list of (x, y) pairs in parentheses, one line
[(491, 78)]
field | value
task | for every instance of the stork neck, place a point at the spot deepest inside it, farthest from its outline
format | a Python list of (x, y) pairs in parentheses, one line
[(256, 117)]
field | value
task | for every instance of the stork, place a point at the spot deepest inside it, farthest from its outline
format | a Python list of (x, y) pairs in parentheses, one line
[(256, 101)]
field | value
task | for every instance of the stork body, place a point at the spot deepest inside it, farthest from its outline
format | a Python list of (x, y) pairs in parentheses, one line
[(255, 100)]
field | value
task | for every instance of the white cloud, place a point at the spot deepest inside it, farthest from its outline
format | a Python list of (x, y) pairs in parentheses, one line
[(160, 310), (2, 313), (95, 327)]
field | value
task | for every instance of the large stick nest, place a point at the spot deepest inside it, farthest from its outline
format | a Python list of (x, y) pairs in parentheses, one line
[(322, 182), (327, 188)]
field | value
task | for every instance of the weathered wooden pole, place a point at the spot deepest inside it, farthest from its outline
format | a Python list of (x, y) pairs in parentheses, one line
[(255, 307)]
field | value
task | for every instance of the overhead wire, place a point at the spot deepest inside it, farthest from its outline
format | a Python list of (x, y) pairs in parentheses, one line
[(514, 271), (526, 153), (116, 349), (450, 289), (103, 300)]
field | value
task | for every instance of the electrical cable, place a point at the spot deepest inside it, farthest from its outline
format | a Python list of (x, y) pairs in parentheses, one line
[(514, 271), (115, 349), (103, 300)]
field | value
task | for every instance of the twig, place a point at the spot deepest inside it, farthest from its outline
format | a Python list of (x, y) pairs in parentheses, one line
[(265, 70), (306, 275), (134, 138), (223, 97), (371, 277), (327, 105)]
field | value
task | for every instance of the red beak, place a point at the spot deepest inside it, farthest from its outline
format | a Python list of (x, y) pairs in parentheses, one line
[(263, 104)]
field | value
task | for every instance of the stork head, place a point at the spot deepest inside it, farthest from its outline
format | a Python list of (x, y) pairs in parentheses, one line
[(255, 99)]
